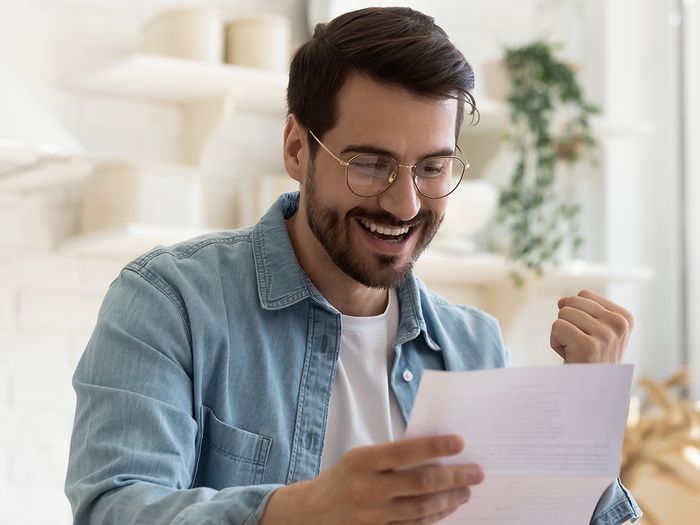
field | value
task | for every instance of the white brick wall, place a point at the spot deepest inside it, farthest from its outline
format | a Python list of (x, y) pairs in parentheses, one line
[(30, 506), (4, 398), (7, 306), (57, 310), (4, 469)]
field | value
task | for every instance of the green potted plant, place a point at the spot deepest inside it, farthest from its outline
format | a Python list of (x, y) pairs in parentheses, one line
[(549, 128)]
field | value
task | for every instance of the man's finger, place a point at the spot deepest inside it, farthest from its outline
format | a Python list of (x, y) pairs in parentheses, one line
[(408, 452), (429, 479), (565, 334), (589, 306), (422, 507), (435, 518), (604, 319), (602, 301), (580, 319)]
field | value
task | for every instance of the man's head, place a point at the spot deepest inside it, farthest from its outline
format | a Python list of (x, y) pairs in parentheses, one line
[(395, 45), (375, 81)]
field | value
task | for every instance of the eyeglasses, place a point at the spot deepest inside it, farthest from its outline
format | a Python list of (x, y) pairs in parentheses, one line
[(369, 175)]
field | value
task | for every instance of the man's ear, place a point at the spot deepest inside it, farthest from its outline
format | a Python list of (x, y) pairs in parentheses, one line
[(294, 151)]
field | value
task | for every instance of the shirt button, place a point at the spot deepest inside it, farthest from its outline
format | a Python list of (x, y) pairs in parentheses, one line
[(407, 375)]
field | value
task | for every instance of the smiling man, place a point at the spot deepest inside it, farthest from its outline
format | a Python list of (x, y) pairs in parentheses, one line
[(266, 375)]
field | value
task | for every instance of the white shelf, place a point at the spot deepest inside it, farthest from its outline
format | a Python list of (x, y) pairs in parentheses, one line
[(115, 222), (43, 175), (209, 93), (485, 269), (495, 117), (130, 240), (177, 80)]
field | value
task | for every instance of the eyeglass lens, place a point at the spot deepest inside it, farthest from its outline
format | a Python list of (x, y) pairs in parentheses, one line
[(435, 177)]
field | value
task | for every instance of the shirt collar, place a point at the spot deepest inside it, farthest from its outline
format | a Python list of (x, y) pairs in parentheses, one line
[(282, 282), (411, 315)]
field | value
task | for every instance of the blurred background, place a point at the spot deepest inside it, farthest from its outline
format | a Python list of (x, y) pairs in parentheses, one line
[(124, 125)]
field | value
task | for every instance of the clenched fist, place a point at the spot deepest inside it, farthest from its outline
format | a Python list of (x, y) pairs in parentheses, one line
[(590, 329)]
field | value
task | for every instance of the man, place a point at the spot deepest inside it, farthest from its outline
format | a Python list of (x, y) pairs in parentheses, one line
[(266, 375)]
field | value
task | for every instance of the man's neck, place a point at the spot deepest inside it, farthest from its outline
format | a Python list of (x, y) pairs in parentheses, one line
[(347, 295)]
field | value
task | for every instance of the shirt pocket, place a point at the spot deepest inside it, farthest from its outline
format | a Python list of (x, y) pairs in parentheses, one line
[(229, 456)]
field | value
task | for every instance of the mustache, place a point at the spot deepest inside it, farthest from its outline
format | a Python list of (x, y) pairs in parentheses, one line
[(382, 217)]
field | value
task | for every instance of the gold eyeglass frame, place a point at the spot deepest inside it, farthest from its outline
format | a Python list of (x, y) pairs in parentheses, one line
[(394, 176)]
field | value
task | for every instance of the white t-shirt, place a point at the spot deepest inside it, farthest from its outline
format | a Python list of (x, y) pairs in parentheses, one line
[(363, 409)]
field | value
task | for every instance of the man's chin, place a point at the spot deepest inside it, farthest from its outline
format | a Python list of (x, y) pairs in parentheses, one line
[(388, 275)]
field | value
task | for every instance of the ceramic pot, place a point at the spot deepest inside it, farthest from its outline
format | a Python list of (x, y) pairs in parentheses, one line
[(496, 81), (471, 206), (261, 41), (120, 194), (193, 34)]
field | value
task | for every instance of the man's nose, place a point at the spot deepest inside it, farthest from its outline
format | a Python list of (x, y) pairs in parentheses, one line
[(401, 199)]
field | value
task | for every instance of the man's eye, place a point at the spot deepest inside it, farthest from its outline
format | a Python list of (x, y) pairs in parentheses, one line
[(433, 169), (372, 164)]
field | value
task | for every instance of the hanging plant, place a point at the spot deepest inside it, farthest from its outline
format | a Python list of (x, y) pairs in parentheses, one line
[(549, 128)]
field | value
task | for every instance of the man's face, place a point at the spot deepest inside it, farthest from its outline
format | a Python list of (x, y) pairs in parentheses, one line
[(376, 118)]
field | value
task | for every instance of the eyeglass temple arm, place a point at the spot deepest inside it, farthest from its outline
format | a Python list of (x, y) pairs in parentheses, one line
[(342, 162)]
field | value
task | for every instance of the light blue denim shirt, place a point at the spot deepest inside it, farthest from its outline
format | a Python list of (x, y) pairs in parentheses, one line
[(206, 382)]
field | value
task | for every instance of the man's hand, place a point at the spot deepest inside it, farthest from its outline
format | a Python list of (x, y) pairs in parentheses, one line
[(388, 483), (590, 329)]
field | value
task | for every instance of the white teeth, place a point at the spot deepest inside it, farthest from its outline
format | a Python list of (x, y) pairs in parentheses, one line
[(384, 230)]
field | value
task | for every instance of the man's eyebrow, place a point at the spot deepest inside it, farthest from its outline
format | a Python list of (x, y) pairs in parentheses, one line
[(374, 150)]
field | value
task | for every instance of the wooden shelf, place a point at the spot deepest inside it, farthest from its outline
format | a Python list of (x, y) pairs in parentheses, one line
[(177, 80), (484, 269)]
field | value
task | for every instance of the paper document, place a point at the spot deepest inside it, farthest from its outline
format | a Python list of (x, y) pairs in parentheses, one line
[(549, 438)]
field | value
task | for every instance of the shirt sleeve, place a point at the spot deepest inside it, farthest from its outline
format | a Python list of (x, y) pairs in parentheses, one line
[(616, 506), (135, 439)]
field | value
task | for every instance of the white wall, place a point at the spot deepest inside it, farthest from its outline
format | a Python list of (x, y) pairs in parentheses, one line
[(640, 79), (692, 122)]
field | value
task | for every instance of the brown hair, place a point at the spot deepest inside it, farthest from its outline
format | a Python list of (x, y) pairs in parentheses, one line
[(395, 45)]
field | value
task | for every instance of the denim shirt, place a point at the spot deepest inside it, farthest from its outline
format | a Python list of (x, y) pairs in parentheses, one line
[(206, 382)]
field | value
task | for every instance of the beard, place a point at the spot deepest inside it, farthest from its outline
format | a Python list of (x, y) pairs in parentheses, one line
[(370, 269)]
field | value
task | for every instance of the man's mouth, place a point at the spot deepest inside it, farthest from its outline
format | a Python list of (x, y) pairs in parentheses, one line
[(385, 232)]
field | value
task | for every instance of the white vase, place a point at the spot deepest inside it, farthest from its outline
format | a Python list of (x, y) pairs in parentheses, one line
[(192, 34), (495, 80), (261, 41), (471, 207), (120, 194)]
